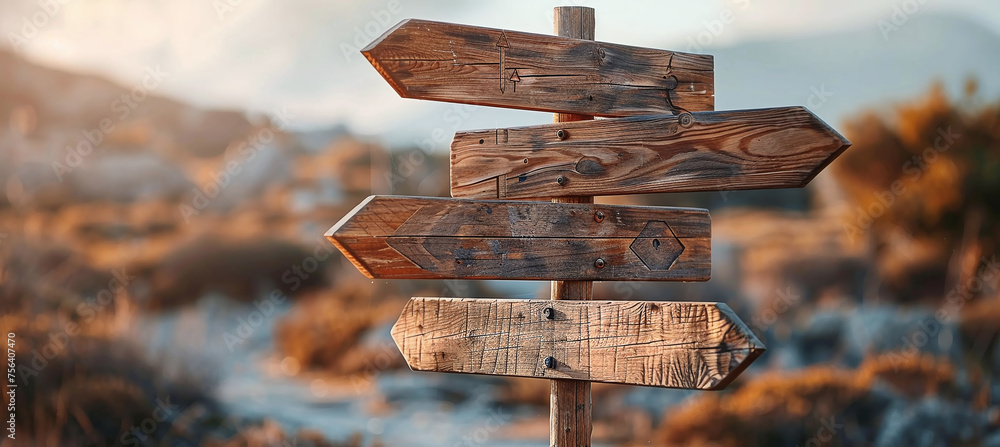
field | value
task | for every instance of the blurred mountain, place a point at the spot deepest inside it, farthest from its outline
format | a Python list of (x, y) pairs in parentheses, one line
[(53, 100), (71, 138), (90, 163), (837, 74), (75, 137)]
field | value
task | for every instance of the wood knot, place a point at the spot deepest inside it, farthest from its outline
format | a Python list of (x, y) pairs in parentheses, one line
[(589, 166)]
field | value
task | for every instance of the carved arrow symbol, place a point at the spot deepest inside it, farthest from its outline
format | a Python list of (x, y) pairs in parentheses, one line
[(501, 44), (515, 79)]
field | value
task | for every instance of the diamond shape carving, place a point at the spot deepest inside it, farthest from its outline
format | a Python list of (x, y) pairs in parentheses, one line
[(657, 246)]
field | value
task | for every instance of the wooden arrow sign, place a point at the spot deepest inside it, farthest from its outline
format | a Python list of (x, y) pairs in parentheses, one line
[(675, 345), (419, 237), (706, 151), (491, 67)]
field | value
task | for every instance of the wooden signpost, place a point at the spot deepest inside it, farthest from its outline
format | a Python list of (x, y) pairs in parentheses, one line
[(678, 345), (492, 67), (703, 151), (426, 238), (666, 138)]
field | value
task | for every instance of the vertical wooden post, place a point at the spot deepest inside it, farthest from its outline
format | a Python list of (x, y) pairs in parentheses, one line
[(569, 400)]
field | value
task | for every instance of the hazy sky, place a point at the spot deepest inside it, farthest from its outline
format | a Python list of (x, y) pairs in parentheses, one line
[(302, 54)]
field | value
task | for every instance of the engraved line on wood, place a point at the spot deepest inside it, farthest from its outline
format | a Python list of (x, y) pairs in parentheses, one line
[(502, 45)]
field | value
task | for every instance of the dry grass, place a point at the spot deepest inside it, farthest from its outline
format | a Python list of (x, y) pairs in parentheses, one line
[(81, 379), (268, 433), (239, 269), (980, 329), (41, 277), (323, 332), (912, 376), (92, 388), (790, 408)]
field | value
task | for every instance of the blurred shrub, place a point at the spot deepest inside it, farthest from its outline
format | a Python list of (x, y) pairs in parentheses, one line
[(910, 375), (326, 331), (926, 174), (814, 406), (88, 388), (980, 329), (241, 270), (268, 433), (42, 277)]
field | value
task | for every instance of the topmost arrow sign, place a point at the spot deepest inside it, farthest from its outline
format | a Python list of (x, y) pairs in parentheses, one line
[(484, 66)]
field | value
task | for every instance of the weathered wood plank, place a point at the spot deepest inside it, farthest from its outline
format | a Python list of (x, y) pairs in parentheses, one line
[(675, 345), (484, 66), (708, 151), (419, 237), (570, 406)]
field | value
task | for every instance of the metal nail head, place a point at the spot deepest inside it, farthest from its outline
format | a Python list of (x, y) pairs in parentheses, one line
[(686, 119)]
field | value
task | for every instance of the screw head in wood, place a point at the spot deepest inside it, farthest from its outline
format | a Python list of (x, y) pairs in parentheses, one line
[(550, 362), (599, 216), (599, 263), (562, 180), (686, 119), (549, 313), (562, 134)]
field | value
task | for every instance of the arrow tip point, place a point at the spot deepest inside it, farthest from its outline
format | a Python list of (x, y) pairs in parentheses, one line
[(502, 40), (371, 46), (745, 347)]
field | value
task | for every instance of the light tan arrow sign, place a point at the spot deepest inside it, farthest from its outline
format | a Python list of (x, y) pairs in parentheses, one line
[(420, 237), (675, 345), (492, 67), (708, 151)]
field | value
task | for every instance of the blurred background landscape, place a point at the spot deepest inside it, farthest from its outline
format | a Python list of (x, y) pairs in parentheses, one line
[(167, 174)]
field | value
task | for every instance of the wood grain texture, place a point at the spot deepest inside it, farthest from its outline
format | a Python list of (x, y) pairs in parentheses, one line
[(708, 151), (675, 345), (571, 290), (484, 66), (438, 238), (570, 406)]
